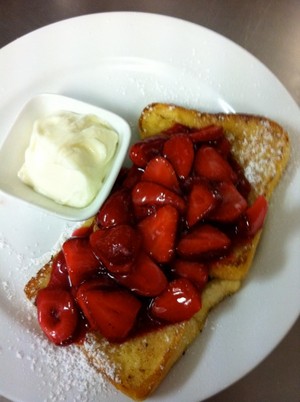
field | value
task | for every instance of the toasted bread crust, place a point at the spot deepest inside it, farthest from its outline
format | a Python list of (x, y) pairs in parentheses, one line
[(137, 366)]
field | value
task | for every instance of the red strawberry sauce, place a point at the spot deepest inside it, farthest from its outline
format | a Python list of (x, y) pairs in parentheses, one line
[(146, 257)]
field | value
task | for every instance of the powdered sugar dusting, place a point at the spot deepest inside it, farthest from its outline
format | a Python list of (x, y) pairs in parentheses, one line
[(260, 153), (67, 371), (61, 373), (100, 358)]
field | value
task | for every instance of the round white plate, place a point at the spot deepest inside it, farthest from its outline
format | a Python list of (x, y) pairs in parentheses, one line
[(122, 62)]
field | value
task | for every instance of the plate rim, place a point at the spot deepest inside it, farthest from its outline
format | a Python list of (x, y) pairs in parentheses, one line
[(174, 20)]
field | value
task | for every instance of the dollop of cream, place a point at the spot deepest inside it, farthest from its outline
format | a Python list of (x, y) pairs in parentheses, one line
[(68, 157)]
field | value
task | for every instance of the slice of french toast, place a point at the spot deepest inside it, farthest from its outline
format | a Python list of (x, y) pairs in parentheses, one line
[(139, 364)]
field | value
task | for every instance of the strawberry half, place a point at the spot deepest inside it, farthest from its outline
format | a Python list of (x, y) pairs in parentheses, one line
[(179, 302), (83, 231), (142, 152), (256, 214), (232, 205), (253, 219), (133, 176), (102, 282), (159, 233), (159, 170), (210, 164), (195, 271), (177, 128), (147, 193), (59, 272), (208, 133), (204, 239), (116, 210), (179, 150), (146, 277), (201, 201), (111, 312), (116, 247), (57, 314), (80, 259)]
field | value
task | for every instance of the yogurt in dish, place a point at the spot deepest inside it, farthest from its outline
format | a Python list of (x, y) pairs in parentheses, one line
[(68, 157)]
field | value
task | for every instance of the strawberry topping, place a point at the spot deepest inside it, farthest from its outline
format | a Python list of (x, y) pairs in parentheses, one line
[(179, 302), (147, 193), (146, 277), (201, 201), (203, 240), (160, 170), (57, 314), (111, 312), (232, 205), (116, 210), (196, 272), (179, 150), (209, 163), (159, 233), (208, 133), (182, 205), (80, 259), (116, 247)]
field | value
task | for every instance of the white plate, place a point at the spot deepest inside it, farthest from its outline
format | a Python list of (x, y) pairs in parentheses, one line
[(121, 62)]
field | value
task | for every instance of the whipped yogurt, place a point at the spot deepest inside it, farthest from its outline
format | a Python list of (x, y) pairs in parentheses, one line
[(68, 157)]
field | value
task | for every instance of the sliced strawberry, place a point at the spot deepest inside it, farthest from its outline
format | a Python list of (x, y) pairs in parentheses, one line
[(111, 312), (203, 240), (159, 170), (208, 133), (179, 302), (83, 231), (116, 247), (146, 277), (147, 193), (256, 215), (57, 314), (142, 211), (232, 206), (59, 273), (210, 164), (201, 201), (253, 219), (179, 150), (116, 210), (100, 282), (195, 271), (159, 233), (133, 176), (141, 152), (80, 259), (177, 128), (104, 283)]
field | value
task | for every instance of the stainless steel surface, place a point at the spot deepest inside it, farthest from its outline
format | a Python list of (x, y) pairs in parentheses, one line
[(270, 30)]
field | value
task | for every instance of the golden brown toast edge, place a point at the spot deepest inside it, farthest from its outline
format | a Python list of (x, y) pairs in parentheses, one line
[(260, 145), (137, 366)]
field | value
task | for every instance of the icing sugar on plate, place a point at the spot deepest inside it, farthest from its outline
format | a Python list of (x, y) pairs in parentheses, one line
[(67, 369)]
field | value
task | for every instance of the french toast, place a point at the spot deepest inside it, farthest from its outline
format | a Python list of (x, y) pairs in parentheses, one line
[(137, 365)]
